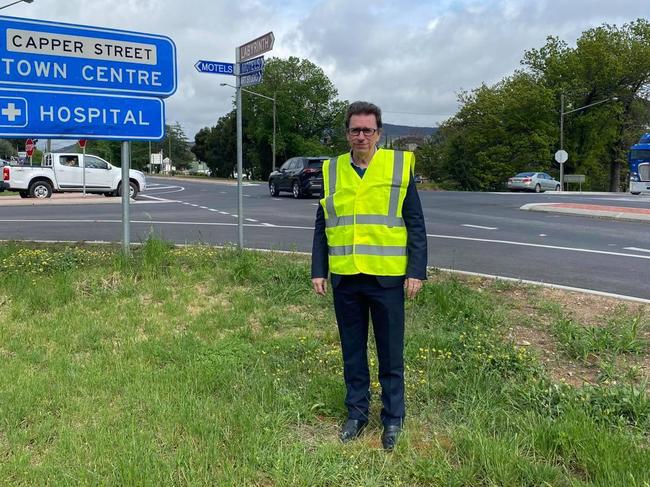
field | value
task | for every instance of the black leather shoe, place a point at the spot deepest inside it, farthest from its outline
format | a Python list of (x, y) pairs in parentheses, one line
[(352, 429), (390, 435)]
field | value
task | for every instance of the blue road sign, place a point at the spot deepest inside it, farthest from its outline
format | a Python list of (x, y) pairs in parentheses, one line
[(68, 115), (252, 66), (251, 79), (44, 55), (215, 67)]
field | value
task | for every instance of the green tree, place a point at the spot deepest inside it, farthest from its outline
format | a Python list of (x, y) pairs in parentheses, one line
[(499, 130), (217, 146), (308, 121), (6, 149), (607, 61)]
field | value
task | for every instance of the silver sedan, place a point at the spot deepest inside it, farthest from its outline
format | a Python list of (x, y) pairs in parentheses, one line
[(533, 181)]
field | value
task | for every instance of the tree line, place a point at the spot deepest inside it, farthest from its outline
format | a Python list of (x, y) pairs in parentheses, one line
[(514, 125), (309, 121), (499, 130)]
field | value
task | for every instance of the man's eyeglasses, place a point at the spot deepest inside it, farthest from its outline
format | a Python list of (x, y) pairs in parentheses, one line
[(365, 131)]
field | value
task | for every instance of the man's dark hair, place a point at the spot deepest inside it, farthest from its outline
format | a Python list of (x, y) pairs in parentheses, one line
[(363, 108)]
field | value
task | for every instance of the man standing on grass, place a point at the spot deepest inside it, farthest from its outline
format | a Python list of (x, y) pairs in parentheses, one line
[(370, 235)]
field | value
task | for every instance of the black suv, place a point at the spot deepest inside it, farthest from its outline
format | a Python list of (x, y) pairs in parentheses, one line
[(302, 176)]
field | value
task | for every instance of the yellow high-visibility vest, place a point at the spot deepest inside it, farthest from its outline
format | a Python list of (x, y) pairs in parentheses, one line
[(364, 226)]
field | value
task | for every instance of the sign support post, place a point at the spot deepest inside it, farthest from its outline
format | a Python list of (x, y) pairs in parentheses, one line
[(240, 158), (126, 198), (82, 144)]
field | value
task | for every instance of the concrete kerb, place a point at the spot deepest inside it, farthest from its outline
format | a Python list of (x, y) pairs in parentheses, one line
[(613, 213), (59, 199)]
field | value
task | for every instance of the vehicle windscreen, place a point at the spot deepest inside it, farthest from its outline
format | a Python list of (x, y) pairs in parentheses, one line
[(315, 164), (640, 154), (524, 174)]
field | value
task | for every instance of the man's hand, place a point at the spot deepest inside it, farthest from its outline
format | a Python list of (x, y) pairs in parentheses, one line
[(320, 285), (412, 286)]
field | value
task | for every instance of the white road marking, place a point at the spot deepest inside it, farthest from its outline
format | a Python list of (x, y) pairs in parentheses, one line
[(251, 220), (204, 207), (157, 188), (480, 227), (542, 235), (552, 247), (268, 225), (637, 249), (162, 200), (224, 213)]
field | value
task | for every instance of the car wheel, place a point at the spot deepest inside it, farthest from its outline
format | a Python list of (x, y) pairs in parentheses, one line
[(40, 190), (557, 188), (133, 190), (295, 189), (25, 194), (636, 193), (538, 188), (273, 189)]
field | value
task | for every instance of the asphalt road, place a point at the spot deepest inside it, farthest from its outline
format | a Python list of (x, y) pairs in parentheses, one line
[(474, 232)]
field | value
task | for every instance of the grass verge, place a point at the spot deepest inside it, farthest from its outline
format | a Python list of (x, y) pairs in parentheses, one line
[(219, 367)]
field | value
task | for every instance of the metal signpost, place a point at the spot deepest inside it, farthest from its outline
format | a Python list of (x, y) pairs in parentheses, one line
[(246, 52), (248, 72), (70, 81), (82, 144), (29, 149), (561, 157)]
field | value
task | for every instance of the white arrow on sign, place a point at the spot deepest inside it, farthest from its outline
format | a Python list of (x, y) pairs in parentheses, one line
[(251, 79), (251, 66), (256, 47)]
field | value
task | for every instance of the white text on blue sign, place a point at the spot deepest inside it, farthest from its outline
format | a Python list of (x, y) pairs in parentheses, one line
[(80, 115), (44, 55)]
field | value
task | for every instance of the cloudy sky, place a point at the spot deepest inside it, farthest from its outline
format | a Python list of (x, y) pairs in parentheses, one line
[(410, 57)]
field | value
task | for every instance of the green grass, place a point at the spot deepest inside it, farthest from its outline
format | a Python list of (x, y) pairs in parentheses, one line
[(197, 366)]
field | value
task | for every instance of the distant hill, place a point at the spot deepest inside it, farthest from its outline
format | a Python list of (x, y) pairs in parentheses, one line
[(397, 131), (69, 148)]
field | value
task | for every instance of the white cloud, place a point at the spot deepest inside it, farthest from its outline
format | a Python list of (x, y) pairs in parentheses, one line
[(409, 57)]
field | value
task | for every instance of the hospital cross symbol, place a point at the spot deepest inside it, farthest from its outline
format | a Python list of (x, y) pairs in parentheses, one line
[(11, 112)]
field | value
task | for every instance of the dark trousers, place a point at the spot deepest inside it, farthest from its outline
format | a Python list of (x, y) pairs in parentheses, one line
[(355, 297)]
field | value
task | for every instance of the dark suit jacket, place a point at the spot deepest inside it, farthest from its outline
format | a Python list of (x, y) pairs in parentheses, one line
[(416, 246)]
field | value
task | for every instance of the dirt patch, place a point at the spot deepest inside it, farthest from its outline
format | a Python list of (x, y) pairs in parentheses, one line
[(533, 310)]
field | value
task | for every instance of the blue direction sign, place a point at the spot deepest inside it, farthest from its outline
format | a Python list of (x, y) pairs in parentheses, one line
[(47, 55), (69, 115), (251, 79), (252, 66), (215, 67)]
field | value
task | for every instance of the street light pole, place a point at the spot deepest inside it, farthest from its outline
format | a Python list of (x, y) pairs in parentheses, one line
[(562, 114), (14, 3), (561, 139)]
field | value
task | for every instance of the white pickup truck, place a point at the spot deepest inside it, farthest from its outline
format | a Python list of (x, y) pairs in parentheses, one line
[(64, 172)]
